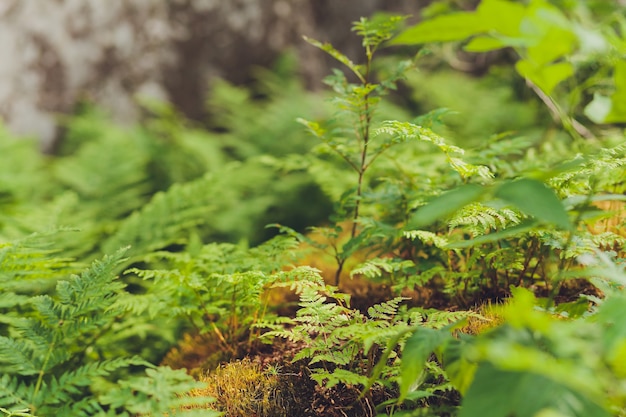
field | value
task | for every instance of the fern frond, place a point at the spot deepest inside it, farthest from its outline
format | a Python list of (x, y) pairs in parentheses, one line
[(162, 391), (341, 356), (401, 132), (17, 357), (108, 193), (386, 310), (338, 376), (164, 219), (480, 219), (13, 393), (437, 319), (428, 238), (60, 390), (28, 264), (374, 268)]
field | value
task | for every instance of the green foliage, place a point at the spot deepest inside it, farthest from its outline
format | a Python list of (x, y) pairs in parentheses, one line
[(522, 220), (534, 355), (525, 227), (218, 289), (553, 46), (50, 356)]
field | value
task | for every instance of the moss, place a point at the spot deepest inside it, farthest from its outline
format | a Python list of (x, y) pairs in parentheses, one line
[(489, 317), (246, 388)]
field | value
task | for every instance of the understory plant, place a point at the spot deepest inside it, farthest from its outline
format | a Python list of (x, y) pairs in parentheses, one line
[(53, 354), (471, 227), (423, 234)]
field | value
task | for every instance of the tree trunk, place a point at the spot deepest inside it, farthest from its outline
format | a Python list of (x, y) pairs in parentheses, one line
[(57, 52)]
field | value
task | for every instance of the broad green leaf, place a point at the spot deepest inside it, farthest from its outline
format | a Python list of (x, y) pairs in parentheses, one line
[(612, 314), (459, 368), (521, 312), (494, 237), (497, 393), (446, 28), (503, 16), (493, 42), (445, 204), (416, 352), (551, 46), (485, 44), (618, 99), (535, 199), (545, 77), (499, 16)]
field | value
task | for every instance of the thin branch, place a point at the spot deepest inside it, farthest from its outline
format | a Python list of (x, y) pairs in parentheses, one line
[(559, 116)]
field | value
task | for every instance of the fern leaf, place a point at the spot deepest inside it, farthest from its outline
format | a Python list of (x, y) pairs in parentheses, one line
[(429, 238), (17, 357), (164, 219), (13, 394), (374, 268), (61, 390), (481, 219), (338, 376), (161, 391), (386, 310)]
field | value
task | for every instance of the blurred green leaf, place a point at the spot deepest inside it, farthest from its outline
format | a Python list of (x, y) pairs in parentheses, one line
[(445, 204), (446, 28), (494, 237), (415, 354), (497, 393), (618, 99), (503, 17), (545, 77), (535, 199)]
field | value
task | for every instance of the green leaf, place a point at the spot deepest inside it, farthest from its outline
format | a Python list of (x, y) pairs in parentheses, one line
[(485, 44), (497, 16), (416, 352), (330, 50), (545, 77), (503, 17), (497, 393), (535, 199), (450, 27), (445, 204), (618, 99), (493, 237)]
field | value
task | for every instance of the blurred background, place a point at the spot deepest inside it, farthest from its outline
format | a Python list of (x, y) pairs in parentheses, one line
[(57, 53), (129, 99)]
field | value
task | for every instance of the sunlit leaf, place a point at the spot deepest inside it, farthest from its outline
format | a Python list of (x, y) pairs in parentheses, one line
[(450, 27), (545, 77)]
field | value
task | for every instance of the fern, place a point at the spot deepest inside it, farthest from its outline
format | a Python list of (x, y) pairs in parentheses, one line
[(339, 343), (159, 392), (375, 268), (429, 238), (216, 288), (480, 219), (162, 221), (44, 361), (108, 193)]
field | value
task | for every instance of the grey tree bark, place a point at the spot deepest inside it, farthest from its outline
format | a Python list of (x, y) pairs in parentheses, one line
[(56, 52)]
